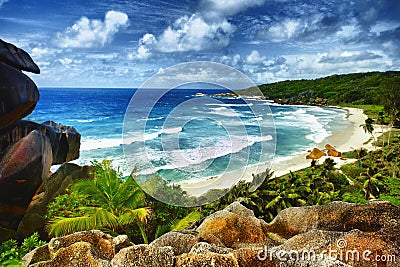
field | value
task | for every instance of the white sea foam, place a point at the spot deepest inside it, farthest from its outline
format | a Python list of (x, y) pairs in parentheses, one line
[(230, 105), (92, 144), (301, 119)]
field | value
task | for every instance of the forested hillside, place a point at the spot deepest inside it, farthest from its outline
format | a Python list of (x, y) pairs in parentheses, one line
[(355, 88)]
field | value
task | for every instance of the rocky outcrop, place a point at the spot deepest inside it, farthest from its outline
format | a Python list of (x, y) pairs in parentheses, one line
[(65, 140), (17, 58), (18, 95), (338, 234), (27, 149), (315, 154), (336, 216), (34, 217), (332, 151), (233, 227), (23, 168), (89, 248)]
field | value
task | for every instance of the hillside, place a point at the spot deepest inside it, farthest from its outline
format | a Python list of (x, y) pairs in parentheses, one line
[(355, 88)]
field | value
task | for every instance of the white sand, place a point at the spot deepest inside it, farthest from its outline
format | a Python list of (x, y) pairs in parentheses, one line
[(350, 138)]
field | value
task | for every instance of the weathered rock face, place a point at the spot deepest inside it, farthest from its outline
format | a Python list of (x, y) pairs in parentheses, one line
[(144, 255), (65, 140), (309, 236), (23, 167), (17, 58), (315, 154), (336, 216), (34, 217), (89, 248), (232, 227), (18, 95)]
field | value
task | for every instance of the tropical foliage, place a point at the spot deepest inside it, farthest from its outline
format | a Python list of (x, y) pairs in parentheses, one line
[(115, 205), (111, 205), (11, 252)]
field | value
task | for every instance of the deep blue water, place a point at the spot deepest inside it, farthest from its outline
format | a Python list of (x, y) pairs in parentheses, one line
[(181, 135)]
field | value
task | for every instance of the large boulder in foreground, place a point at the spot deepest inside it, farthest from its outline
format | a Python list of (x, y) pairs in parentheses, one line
[(65, 140), (88, 248), (23, 168), (17, 58), (233, 227), (55, 185), (336, 216), (18, 95)]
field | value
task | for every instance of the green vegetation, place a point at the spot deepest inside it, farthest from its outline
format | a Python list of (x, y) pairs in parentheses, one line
[(115, 205), (11, 252)]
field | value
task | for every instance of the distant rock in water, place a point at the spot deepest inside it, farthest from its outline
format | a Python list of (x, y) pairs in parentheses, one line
[(23, 167), (226, 239), (17, 58), (315, 154)]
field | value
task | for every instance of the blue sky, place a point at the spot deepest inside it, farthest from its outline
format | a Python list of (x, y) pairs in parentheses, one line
[(122, 43)]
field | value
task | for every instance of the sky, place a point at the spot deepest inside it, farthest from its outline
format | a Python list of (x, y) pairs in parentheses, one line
[(122, 43)]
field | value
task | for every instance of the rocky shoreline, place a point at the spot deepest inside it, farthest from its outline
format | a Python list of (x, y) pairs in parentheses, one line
[(338, 234)]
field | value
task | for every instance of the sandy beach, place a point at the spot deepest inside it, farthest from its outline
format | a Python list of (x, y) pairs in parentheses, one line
[(348, 139)]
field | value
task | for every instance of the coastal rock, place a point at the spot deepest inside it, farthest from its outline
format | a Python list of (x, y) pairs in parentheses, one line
[(232, 227), (55, 185), (23, 167), (65, 141), (332, 151), (17, 58), (18, 95), (144, 255), (315, 154), (181, 242), (88, 248), (336, 216)]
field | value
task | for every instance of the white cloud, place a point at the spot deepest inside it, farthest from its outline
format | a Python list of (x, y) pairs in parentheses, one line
[(207, 28), (215, 9), (86, 33), (283, 31), (195, 34), (255, 58)]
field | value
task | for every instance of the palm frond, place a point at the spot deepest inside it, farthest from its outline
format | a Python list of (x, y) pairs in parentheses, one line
[(186, 221), (62, 226), (105, 219), (130, 216)]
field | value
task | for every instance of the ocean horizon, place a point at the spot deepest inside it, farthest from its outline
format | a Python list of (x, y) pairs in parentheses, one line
[(202, 131)]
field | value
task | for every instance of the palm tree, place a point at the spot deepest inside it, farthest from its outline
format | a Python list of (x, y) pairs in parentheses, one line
[(373, 184), (369, 127), (115, 204)]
